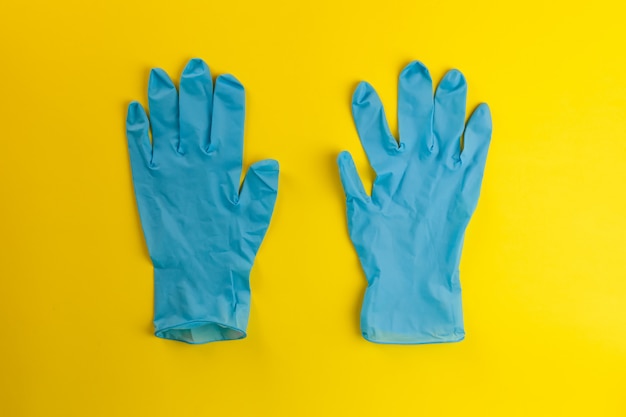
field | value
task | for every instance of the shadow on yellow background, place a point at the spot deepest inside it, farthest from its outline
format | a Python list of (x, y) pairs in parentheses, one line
[(543, 269)]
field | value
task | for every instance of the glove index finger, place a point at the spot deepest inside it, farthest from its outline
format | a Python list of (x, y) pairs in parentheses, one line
[(449, 115), (163, 104), (227, 127), (477, 136), (476, 142)]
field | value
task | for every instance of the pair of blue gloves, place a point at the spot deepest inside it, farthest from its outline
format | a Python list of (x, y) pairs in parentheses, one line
[(203, 231)]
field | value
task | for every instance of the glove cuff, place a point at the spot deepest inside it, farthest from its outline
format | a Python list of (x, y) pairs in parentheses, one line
[(200, 306), (423, 312)]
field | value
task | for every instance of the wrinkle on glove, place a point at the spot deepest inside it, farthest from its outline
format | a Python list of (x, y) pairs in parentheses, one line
[(409, 233), (202, 232)]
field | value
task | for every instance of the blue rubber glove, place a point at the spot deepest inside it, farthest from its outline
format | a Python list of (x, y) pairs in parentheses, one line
[(202, 233), (409, 234)]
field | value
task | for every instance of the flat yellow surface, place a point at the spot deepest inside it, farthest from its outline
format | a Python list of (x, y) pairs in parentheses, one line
[(543, 269)]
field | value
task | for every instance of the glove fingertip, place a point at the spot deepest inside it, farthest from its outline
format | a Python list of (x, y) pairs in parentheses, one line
[(454, 80), (346, 164), (195, 67), (261, 179), (159, 83), (415, 68), (266, 165), (480, 122), (362, 94), (136, 114), (229, 80)]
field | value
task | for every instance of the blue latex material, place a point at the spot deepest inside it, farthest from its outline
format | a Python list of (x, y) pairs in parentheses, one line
[(409, 233), (202, 232)]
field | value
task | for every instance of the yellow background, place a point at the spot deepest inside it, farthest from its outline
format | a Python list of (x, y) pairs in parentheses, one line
[(543, 269)]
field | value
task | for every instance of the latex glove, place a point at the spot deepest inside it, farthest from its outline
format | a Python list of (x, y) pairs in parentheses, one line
[(202, 233), (409, 234)]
